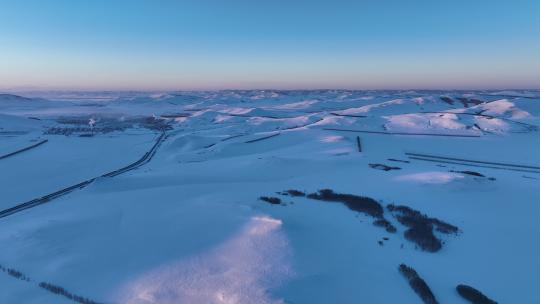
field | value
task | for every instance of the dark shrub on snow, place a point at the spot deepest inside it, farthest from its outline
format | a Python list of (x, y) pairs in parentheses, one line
[(270, 200), (421, 227), (418, 284), (293, 192), (383, 167), (385, 224), (473, 295), (473, 173), (61, 291), (357, 203)]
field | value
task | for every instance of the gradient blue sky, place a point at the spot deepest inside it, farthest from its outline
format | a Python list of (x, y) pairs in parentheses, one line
[(202, 44)]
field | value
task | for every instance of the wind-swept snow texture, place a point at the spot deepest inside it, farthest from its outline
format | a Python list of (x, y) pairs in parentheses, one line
[(239, 270), (270, 197)]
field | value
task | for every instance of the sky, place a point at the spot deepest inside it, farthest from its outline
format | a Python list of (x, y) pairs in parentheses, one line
[(258, 44)]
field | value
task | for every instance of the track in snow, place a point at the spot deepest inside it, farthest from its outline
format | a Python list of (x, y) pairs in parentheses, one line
[(528, 126), (401, 133), (49, 197), (474, 163), (262, 138), (24, 149)]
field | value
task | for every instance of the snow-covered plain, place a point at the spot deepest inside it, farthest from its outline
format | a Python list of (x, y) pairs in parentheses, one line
[(187, 224)]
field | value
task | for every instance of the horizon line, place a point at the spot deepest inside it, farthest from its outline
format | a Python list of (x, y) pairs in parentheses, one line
[(35, 90)]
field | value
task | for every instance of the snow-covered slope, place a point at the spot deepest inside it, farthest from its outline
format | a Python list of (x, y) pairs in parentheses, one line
[(268, 196)]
